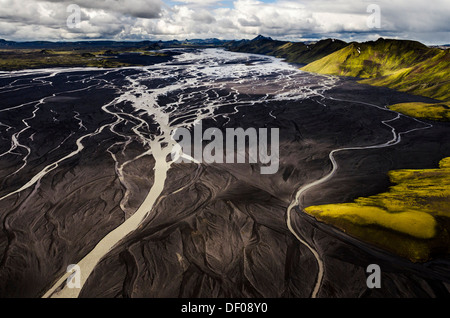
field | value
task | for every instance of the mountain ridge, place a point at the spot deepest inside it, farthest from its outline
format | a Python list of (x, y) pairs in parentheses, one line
[(404, 65), (292, 52)]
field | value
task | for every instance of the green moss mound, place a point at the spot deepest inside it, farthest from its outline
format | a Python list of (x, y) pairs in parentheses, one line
[(412, 219), (438, 111)]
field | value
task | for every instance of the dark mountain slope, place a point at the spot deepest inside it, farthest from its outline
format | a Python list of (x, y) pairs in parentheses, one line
[(293, 52)]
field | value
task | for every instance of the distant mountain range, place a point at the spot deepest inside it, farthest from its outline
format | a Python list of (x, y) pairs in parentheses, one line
[(399, 64), (41, 45), (444, 46)]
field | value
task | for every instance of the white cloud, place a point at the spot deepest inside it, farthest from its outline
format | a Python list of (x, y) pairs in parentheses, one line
[(283, 19)]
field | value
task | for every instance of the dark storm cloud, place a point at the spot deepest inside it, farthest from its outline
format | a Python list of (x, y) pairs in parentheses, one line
[(147, 9), (252, 21)]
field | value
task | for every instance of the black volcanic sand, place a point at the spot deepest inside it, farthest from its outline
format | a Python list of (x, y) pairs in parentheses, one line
[(218, 230), (140, 59), (225, 234)]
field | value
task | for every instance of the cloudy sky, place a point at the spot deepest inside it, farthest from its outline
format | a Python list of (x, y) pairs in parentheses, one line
[(295, 20)]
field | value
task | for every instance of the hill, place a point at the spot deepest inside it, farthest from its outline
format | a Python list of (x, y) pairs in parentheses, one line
[(292, 52), (407, 66), (259, 45)]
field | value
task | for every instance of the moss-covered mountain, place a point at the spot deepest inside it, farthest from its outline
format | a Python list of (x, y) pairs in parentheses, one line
[(293, 52), (403, 65)]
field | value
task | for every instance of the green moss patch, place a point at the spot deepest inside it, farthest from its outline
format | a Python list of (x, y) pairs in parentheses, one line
[(439, 111), (412, 219)]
